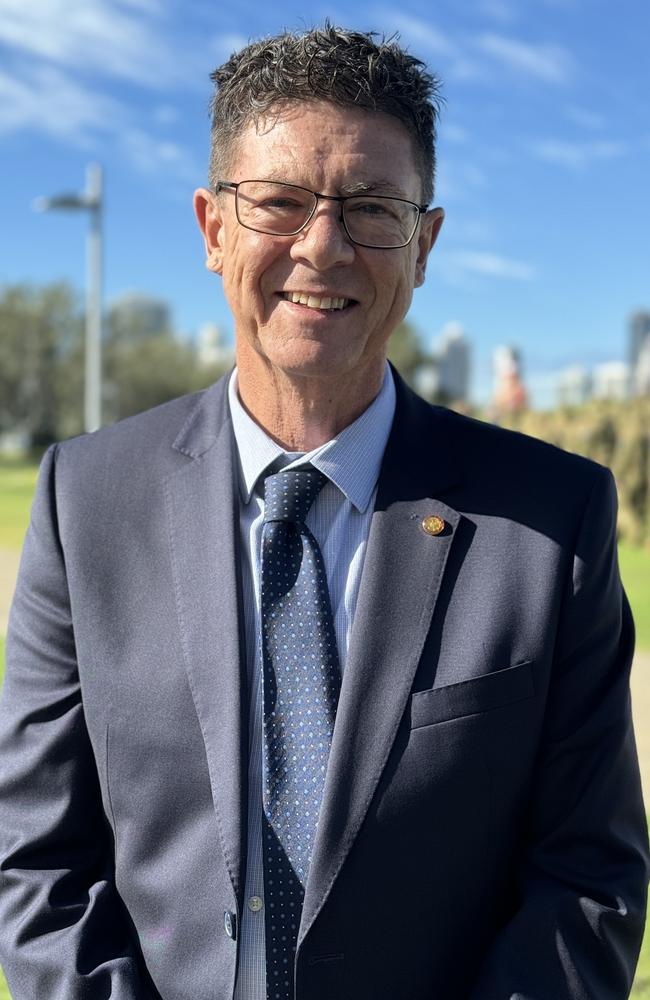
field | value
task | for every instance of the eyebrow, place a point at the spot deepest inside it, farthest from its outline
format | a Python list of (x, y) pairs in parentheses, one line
[(354, 188), (373, 187)]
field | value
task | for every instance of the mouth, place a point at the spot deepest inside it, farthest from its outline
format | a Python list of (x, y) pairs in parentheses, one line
[(326, 303)]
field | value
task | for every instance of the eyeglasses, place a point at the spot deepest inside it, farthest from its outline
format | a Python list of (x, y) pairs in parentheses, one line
[(370, 220)]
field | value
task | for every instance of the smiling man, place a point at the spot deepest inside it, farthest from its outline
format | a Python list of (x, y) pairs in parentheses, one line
[(317, 277), (315, 691)]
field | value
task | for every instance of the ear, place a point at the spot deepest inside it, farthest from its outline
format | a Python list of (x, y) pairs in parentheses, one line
[(429, 229), (209, 217)]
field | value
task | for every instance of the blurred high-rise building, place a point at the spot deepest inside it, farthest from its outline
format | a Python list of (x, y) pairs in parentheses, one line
[(639, 352), (134, 316), (574, 386), (452, 352), (639, 334), (612, 380), (642, 370)]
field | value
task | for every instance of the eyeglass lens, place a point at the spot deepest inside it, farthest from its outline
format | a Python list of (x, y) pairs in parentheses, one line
[(281, 210)]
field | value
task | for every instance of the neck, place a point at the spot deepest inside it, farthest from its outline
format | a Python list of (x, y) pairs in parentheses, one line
[(301, 412)]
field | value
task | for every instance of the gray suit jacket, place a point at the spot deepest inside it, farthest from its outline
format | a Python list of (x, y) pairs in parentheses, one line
[(482, 834)]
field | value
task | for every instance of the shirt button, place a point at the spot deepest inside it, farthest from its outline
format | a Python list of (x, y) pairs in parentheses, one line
[(255, 904)]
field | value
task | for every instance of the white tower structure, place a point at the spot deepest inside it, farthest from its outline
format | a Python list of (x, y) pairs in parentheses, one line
[(612, 380), (210, 346), (574, 386)]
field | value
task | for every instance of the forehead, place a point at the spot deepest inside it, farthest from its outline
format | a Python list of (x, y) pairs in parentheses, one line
[(318, 143)]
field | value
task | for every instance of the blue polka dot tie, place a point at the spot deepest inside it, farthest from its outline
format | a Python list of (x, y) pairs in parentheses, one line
[(301, 687)]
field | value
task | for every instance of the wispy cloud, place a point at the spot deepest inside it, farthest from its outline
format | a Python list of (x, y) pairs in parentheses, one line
[(222, 46), (424, 38), (456, 179), (54, 81), (165, 114), (426, 34), (148, 6), (154, 156), (550, 63), (488, 265), (454, 133), (498, 10), (122, 38), (467, 229), (577, 155), (47, 101), (591, 121)]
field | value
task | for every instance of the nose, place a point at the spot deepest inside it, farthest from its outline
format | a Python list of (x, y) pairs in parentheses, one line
[(323, 242)]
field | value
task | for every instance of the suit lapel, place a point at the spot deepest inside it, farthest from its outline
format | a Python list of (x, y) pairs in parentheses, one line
[(401, 580), (203, 531)]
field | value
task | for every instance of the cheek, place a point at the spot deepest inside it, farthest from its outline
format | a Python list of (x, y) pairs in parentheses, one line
[(251, 259), (248, 286), (394, 288)]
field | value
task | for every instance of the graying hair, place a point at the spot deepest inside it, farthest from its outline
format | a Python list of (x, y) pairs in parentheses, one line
[(347, 68)]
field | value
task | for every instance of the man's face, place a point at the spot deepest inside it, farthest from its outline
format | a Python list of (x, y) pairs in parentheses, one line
[(330, 150)]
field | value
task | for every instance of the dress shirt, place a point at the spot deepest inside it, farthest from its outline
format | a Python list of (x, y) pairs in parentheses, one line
[(339, 519)]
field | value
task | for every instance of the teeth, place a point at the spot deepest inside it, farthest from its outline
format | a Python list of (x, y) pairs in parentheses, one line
[(316, 302)]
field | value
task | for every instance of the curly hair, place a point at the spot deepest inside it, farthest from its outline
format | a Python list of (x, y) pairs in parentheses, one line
[(347, 68)]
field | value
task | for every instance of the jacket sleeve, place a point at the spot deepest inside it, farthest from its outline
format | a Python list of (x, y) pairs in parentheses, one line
[(576, 931), (64, 932)]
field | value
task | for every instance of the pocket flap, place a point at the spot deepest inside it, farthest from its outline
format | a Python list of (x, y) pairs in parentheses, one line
[(470, 697)]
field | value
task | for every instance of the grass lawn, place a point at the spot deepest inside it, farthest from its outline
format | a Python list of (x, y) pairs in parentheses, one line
[(635, 571), (17, 480), (641, 988)]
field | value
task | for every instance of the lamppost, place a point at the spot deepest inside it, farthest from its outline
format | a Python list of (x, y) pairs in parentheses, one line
[(91, 200)]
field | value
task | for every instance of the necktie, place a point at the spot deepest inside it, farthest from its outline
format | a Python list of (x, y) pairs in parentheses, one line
[(301, 685)]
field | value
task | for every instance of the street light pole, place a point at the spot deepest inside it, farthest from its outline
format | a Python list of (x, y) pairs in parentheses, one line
[(94, 265), (92, 201)]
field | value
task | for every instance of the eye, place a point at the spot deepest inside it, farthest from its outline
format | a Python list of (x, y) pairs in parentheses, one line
[(281, 203), (371, 208)]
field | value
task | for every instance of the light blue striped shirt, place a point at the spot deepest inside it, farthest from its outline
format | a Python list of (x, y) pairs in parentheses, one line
[(339, 520)]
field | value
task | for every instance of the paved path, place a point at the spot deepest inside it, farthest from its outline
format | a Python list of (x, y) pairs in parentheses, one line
[(640, 673), (641, 711)]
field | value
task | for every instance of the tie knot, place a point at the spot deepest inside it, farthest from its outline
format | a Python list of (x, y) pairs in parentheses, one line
[(288, 495)]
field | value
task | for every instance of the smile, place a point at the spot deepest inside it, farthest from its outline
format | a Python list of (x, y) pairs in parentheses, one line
[(316, 301)]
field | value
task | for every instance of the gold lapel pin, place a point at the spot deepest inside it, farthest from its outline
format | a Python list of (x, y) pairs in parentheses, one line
[(433, 525)]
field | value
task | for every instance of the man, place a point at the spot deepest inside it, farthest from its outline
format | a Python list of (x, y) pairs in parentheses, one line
[(379, 748)]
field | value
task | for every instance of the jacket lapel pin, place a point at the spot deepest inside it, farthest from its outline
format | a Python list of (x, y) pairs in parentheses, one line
[(433, 525)]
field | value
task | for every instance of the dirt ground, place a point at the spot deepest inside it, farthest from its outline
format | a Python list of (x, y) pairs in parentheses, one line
[(640, 672), (8, 571), (641, 711)]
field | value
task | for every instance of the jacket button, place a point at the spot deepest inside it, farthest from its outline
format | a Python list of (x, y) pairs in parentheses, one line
[(230, 924)]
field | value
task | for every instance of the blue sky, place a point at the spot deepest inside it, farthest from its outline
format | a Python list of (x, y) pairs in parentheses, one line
[(544, 156)]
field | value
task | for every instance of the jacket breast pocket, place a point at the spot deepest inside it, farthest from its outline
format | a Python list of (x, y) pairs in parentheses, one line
[(473, 696)]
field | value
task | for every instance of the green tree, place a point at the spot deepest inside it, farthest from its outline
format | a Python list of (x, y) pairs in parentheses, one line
[(405, 351), (146, 372), (40, 360)]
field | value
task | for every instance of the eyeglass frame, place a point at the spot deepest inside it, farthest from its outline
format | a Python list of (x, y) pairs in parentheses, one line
[(341, 198)]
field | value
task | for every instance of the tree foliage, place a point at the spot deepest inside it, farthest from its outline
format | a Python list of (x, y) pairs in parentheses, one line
[(40, 355), (145, 372), (42, 365), (405, 351), (614, 433)]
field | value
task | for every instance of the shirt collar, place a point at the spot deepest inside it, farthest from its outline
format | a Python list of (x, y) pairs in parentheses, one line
[(351, 460)]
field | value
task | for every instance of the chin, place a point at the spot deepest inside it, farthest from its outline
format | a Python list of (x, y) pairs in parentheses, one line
[(313, 358)]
